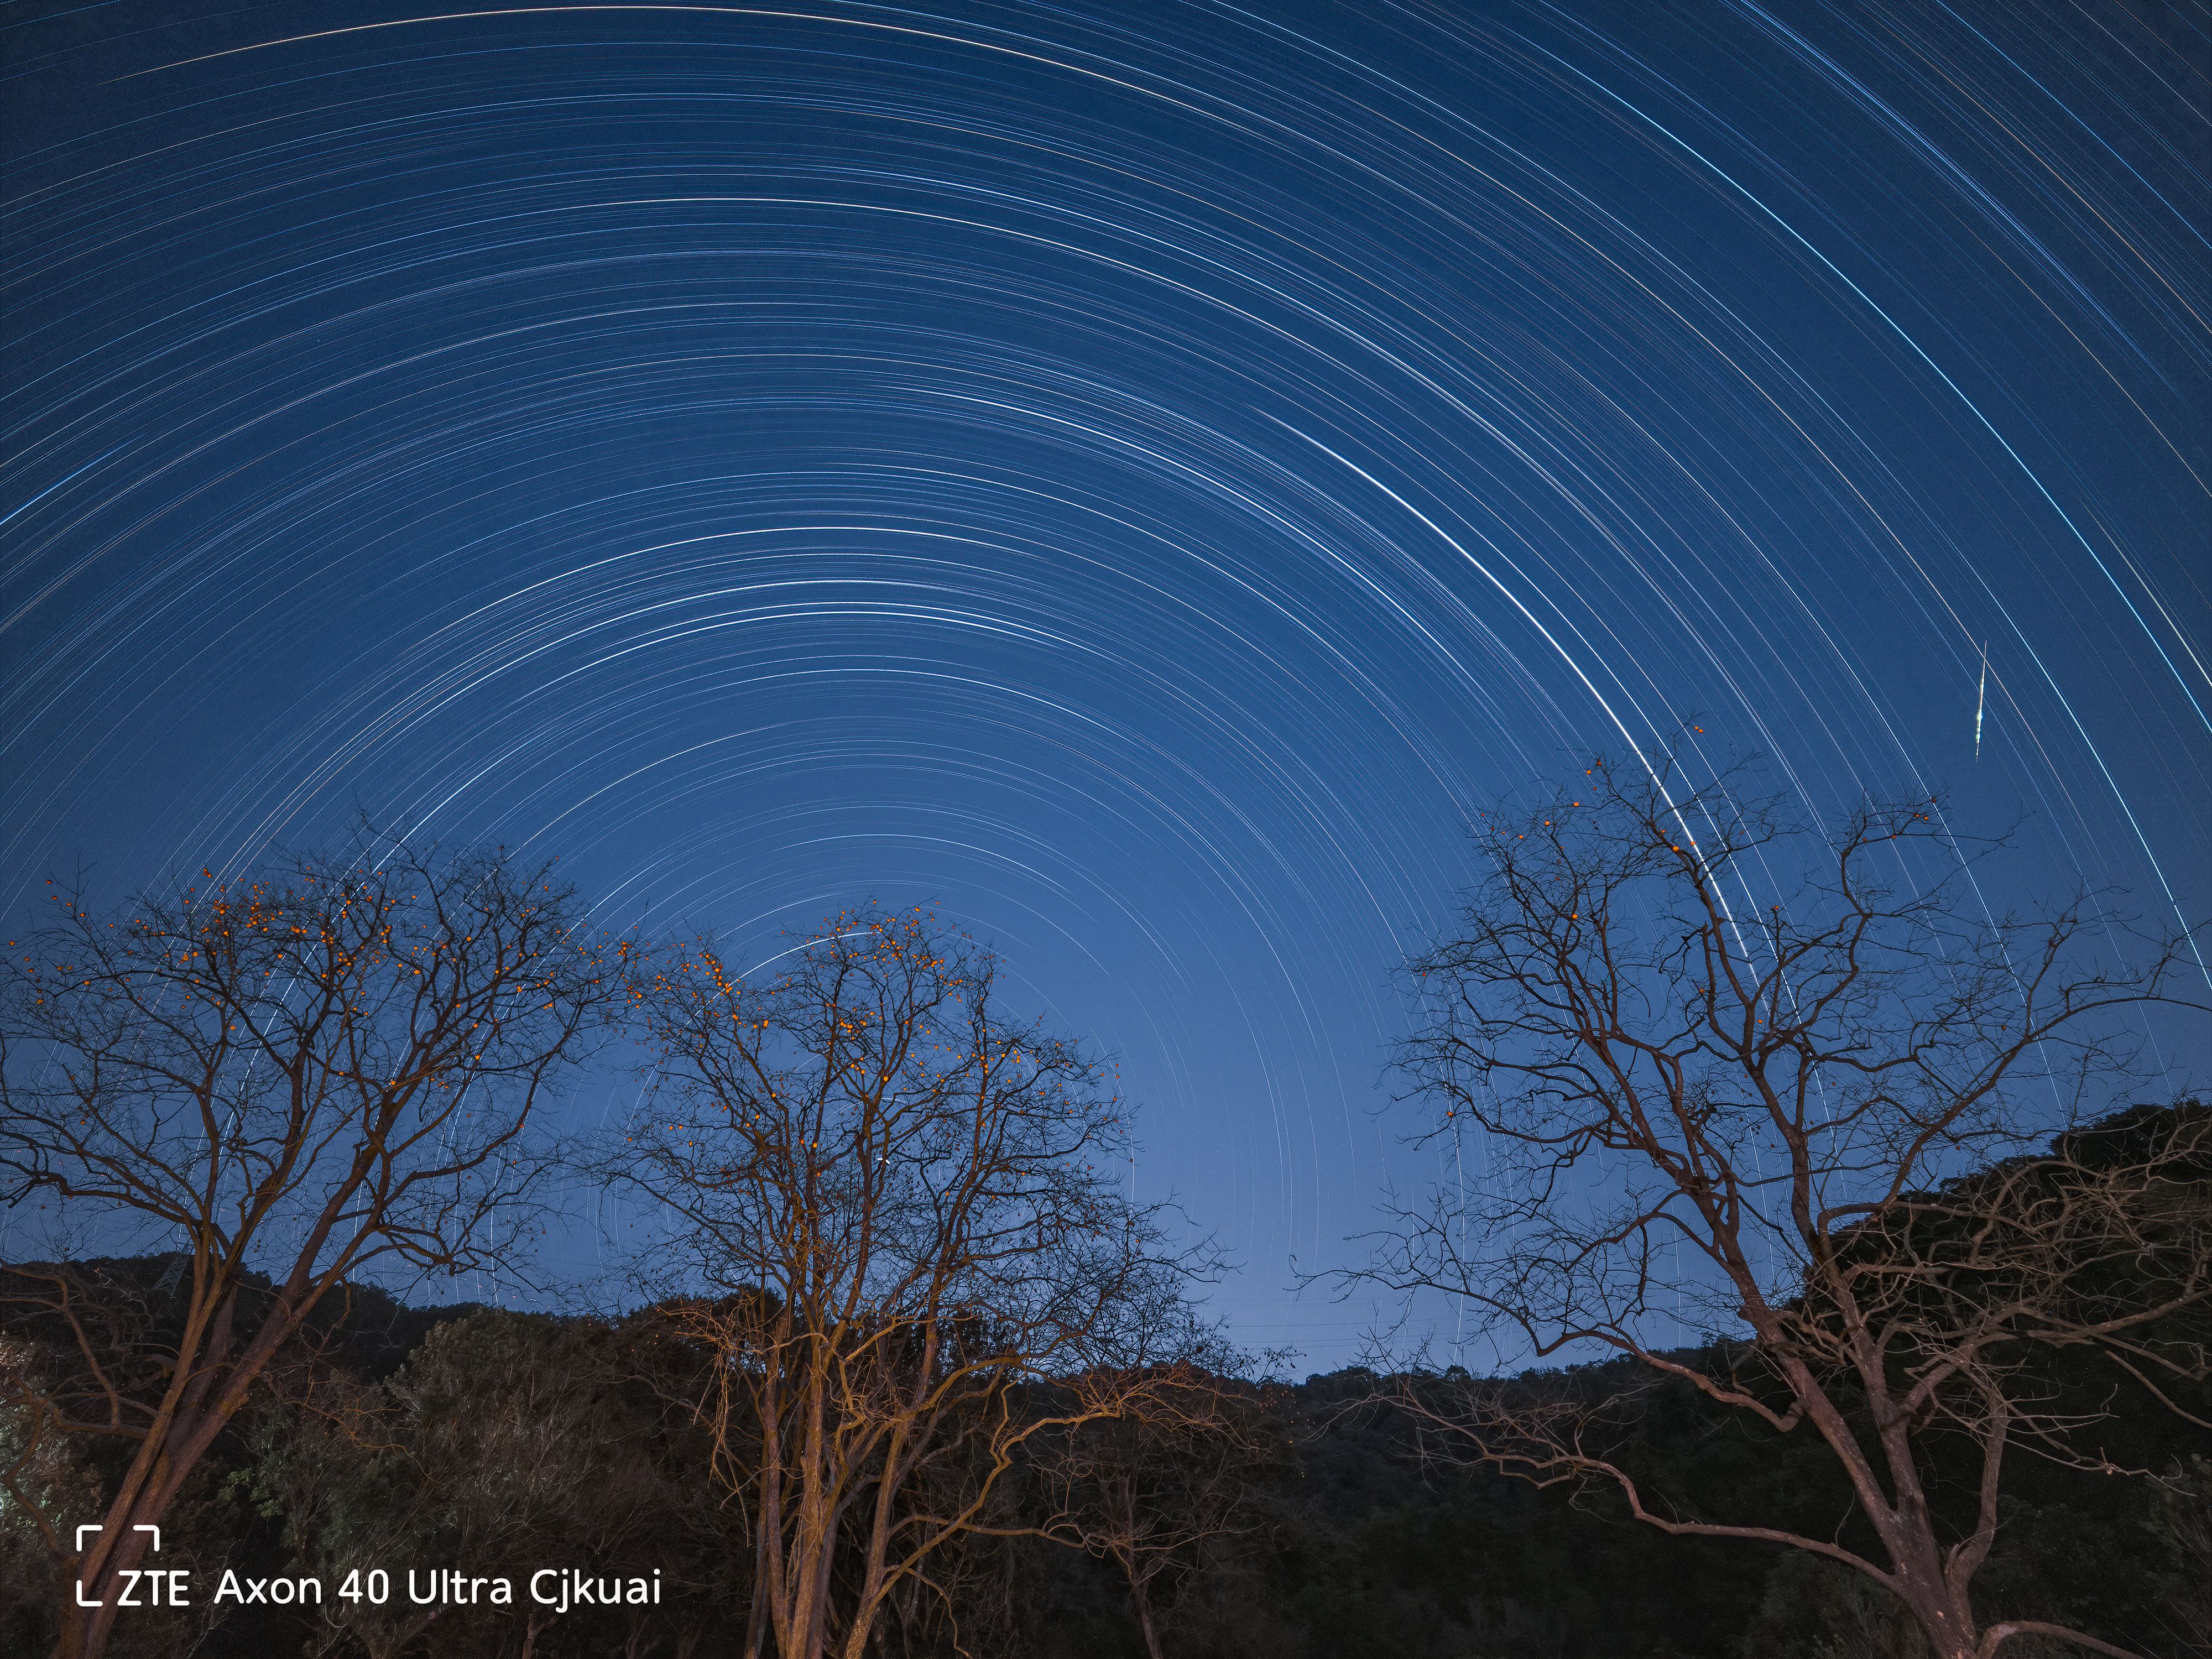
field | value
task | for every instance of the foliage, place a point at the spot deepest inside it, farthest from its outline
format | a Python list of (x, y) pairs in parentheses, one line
[(328, 1067), (893, 1217), (1764, 1116), (914, 1379), (1348, 1545)]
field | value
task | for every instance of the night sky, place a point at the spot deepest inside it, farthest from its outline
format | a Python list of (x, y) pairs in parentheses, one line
[(1136, 477)]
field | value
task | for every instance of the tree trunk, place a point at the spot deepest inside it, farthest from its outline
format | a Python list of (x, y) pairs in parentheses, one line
[(1949, 1625), (1139, 1594), (191, 1420), (84, 1631), (70, 1644)]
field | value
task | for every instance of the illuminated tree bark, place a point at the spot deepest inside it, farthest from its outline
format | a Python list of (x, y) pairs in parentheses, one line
[(312, 1072), (894, 1215), (1689, 1105)]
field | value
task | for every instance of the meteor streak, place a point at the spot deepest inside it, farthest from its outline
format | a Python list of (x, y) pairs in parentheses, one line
[(1981, 698), (1136, 477)]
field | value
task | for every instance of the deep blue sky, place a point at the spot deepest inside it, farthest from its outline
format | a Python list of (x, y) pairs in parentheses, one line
[(1136, 476)]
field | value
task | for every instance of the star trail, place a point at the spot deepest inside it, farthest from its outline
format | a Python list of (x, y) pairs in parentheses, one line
[(1136, 478)]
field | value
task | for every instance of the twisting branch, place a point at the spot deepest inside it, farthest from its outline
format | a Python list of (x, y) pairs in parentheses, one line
[(894, 1210), (1752, 1115), (325, 1068), (1152, 1492)]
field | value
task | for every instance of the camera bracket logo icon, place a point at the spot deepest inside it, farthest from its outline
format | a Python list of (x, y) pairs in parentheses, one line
[(92, 1526)]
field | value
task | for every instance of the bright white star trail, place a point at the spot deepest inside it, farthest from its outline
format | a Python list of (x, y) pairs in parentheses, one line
[(1138, 477)]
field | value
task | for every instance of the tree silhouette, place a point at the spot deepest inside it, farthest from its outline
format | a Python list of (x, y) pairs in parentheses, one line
[(1691, 1106), (320, 1070), (894, 1209)]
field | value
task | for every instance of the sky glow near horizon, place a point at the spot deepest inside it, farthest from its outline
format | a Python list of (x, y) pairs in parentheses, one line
[(1137, 478)]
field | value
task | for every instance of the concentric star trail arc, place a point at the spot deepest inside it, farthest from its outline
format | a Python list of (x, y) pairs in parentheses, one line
[(1137, 478)]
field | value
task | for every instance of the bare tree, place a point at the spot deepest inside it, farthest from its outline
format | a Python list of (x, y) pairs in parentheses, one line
[(1153, 1491), (901, 1205), (1683, 1104), (321, 1070)]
